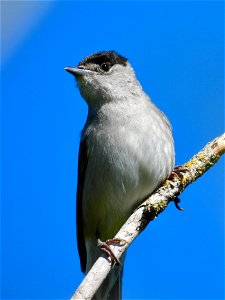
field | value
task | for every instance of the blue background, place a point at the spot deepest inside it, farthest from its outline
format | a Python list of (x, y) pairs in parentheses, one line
[(176, 49)]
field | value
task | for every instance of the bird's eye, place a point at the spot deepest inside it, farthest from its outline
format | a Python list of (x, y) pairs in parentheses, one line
[(105, 66)]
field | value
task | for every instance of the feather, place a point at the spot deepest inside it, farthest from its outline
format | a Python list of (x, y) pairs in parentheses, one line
[(82, 166)]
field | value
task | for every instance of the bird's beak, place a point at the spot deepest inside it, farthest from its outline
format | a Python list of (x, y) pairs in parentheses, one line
[(78, 71)]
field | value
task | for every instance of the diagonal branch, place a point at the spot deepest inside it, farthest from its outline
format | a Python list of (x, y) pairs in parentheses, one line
[(149, 210)]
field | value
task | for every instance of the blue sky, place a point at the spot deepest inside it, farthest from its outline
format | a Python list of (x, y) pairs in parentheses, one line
[(177, 50)]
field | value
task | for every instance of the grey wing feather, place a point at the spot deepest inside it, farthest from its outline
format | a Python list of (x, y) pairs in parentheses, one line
[(82, 166)]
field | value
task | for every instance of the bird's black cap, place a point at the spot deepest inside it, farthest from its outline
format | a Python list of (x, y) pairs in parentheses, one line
[(104, 56)]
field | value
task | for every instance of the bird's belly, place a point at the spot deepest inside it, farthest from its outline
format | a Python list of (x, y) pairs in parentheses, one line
[(123, 173)]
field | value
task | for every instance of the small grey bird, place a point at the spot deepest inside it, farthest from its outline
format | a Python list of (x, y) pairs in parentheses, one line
[(126, 152)]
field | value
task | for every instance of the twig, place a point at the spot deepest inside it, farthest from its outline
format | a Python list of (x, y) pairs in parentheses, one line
[(149, 210)]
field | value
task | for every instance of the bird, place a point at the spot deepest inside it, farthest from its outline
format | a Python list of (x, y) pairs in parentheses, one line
[(126, 151)]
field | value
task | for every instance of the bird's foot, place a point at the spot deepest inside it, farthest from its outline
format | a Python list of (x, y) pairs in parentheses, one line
[(176, 201), (178, 172), (105, 247)]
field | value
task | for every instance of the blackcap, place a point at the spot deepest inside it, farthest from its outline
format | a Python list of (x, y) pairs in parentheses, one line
[(126, 152)]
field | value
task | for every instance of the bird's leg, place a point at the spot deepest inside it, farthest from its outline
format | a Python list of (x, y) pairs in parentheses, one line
[(177, 172), (105, 247)]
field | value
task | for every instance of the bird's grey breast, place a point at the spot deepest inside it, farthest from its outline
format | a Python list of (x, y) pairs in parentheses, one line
[(130, 151)]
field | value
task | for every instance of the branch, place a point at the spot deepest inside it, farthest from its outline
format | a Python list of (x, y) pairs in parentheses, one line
[(149, 210)]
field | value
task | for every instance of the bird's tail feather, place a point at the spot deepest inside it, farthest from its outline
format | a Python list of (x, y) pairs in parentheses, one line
[(116, 291), (111, 288)]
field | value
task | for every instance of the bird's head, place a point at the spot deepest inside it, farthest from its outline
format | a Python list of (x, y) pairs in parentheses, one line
[(105, 76)]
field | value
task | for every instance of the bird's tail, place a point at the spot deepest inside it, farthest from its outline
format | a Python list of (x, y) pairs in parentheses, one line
[(116, 291), (111, 288)]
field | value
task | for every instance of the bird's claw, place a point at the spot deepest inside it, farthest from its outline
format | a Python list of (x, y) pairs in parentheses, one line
[(105, 247), (176, 202), (177, 172)]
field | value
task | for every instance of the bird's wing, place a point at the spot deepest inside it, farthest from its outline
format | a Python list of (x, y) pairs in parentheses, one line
[(82, 166)]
